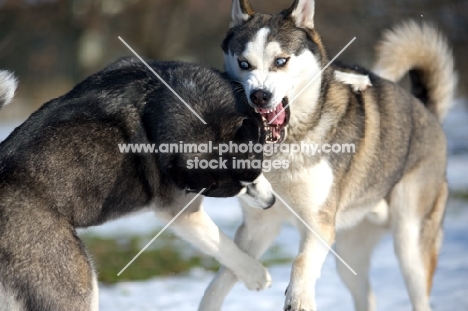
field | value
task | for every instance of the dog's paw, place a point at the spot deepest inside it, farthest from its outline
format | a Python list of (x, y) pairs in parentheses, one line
[(362, 85), (299, 300), (256, 276), (358, 82)]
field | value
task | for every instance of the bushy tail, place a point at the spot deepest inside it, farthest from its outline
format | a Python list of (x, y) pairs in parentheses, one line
[(8, 84), (423, 52)]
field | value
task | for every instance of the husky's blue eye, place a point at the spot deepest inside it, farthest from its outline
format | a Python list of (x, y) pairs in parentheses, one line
[(244, 65), (281, 62)]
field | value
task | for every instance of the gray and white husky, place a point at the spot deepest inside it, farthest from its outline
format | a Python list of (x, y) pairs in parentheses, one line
[(395, 180)]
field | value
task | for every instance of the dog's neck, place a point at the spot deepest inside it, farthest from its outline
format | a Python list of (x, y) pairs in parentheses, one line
[(312, 120)]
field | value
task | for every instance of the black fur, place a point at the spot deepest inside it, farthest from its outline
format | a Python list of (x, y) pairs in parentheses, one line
[(418, 86), (62, 168)]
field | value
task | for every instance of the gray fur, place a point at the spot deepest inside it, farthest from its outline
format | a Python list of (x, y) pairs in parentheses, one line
[(399, 163), (62, 169)]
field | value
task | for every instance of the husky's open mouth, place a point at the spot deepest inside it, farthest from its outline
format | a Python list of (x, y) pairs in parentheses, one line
[(275, 122)]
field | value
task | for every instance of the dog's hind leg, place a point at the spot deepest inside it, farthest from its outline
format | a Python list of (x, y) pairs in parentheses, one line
[(432, 234), (355, 246), (54, 274), (416, 216), (254, 236)]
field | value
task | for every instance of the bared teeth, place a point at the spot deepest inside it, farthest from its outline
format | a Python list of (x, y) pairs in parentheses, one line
[(260, 110)]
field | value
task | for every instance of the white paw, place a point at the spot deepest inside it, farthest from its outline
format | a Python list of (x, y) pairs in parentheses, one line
[(255, 276), (299, 299), (362, 85), (358, 82)]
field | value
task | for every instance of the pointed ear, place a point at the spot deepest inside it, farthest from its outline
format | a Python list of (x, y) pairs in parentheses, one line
[(302, 13), (241, 12)]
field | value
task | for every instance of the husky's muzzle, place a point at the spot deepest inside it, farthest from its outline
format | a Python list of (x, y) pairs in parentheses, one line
[(275, 119), (259, 193)]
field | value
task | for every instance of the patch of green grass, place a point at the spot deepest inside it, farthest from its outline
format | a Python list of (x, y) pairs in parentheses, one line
[(276, 256), (168, 255), (112, 255), (463, 195)]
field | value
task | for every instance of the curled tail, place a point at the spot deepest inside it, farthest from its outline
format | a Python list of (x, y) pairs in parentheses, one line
[(8, 84), (423, 52)]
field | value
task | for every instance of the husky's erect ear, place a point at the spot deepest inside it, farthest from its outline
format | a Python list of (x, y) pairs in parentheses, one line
[(241, 12), (302, 13)]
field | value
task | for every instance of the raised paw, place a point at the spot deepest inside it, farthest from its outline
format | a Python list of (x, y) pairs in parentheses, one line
[(362, 86), (358, 82), (255, 276)]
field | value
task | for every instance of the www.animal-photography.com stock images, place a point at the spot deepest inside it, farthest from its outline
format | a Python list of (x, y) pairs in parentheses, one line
[(230, 155)]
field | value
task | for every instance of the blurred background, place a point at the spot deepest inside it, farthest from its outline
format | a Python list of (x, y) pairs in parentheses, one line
[(53, 44)]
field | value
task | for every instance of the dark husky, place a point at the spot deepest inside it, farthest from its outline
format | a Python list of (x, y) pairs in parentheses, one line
[(62, 169)]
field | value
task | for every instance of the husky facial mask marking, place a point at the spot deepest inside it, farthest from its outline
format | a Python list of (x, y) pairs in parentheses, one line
[(275, 56), (270, 64)]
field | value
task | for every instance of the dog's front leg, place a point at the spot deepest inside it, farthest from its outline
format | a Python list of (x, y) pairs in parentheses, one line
[(254, 236), (195, 226), (317, 235)]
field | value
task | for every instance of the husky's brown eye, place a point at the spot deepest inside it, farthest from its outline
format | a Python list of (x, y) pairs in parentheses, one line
[(281, 62), (244, 65)]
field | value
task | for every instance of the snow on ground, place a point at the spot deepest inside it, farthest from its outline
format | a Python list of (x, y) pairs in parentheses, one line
[(183, 292), (456, 129)]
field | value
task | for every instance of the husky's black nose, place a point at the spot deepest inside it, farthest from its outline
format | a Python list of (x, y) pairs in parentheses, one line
[(260, 98), (271, 202)]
